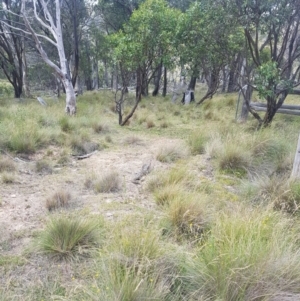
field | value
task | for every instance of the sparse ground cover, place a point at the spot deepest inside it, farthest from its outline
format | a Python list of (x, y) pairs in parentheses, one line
[(215, 217)]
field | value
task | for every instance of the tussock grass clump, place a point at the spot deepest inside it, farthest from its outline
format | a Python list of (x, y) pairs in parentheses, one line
[(234, 161), (150, 124), (215, 146), (7, 178), (106, 183), (24, 142), (133, 140), (271, 154), (64, 159), (82, 145), (66, 238), (185, 218), (254, 250), (43, 167), (289, 200), (100, 128), (134, 267), (197, 141), (167, 194), (60, 199), (164, 125), (137, 243), (277, 191), (7, 165), (66, 125), (177, 176), (172, 152)]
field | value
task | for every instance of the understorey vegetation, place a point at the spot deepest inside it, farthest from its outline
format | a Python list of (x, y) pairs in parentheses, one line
[(212, 216)]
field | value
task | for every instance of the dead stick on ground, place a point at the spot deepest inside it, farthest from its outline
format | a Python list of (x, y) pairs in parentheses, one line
[(13, 158), (84, 156)]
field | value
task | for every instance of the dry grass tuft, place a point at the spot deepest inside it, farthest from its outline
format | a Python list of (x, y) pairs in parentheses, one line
[(186, 218), (7, 165), (133, 140), (106, 183), (100, 128), (43, 167), (167, 194), (172, 152), (234, 161), (67, 238), (8, 178), (197, 141), (60, 199), (150, 124)]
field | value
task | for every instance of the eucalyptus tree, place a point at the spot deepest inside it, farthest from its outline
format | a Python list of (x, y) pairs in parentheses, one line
[(146, 41), (271, 30), (116, 13), (12, 46), (208, 37), (74, 20), (49, 19)]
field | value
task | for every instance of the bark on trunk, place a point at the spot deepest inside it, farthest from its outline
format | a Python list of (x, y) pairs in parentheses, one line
[(213, 84), (26, 90), (192, 84), (139, 81), (165, 83), (157, 79), (236, 65), (105, 74)]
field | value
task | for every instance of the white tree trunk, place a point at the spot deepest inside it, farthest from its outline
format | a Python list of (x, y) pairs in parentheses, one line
[(56, 31)]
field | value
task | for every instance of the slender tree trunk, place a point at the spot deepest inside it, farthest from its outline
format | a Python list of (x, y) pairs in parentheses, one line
[(17, 84), (95, 76), (225, 79), (139, 83), (157, 79), (56, 29), (67, 81), (165, 82), (26, 90), (246, 99), (76, 44), (213, 84), (235, 67), (106, 74)]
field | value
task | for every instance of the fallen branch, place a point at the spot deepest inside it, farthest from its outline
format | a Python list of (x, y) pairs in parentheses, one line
[(84, 156), (13, 158)]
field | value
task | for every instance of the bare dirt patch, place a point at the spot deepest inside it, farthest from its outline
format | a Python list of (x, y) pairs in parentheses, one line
[(23, 209)]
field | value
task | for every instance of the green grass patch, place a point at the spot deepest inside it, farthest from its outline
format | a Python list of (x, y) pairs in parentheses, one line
[(68, 237)]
